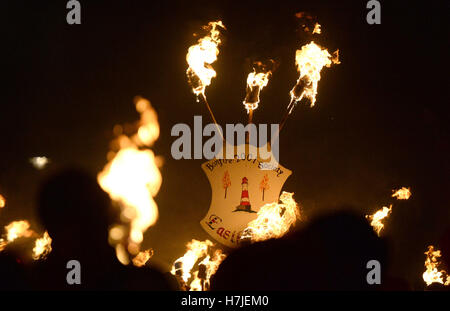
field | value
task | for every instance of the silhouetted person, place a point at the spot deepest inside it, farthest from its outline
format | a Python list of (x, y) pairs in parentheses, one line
[(15, 265), (331, 253), (76, 213)]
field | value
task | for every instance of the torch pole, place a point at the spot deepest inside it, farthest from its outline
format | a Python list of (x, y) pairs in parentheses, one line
[(212, 115), (250, 120), (250, 116), (283, 121)]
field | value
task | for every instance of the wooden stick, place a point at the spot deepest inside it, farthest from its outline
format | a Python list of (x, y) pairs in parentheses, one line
[(283, 121), (212, 115), (250, 120)]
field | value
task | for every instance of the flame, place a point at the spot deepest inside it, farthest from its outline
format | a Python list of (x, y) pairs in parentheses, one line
[(201, 56), (402, 194), (274, 219), (2, 201), (377, 218), (132, 178), (18, 229), (255, 83), (42, 247), (317, 29), (39, 163), (206, 268), (203, 275), (141, 259), (196, 250), (3, 244), (310, 60), (431, 274)]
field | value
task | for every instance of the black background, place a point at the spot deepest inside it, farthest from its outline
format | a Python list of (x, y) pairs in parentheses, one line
[(380, 121)]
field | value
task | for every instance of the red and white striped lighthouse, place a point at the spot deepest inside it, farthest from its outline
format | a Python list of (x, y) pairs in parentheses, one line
[(244, 195), (245, 205)]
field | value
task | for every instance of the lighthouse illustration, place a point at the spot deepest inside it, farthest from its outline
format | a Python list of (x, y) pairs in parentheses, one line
[(245, 205)]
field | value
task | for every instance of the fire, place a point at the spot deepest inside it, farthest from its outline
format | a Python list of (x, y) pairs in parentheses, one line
[(317, 29), (377, 218), (21, 229), (310, 60), (201, 56), (2, 201), (255, 83), (274, 219), (432, 274), (39, 163), (206, 268), (141, 259), (42, 247), (132, 178), (196, 250), (402, 194), (18, 229)]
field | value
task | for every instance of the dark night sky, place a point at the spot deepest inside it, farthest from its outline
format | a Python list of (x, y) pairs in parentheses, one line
[(381, 120)]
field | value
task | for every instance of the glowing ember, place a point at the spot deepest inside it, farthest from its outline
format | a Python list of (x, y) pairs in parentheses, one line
[(201, 56), (274, 219), (18, 229), (2, 201), (255, 83), (42, 247), (317, 29), (39, 162), (402, 194), (132, 179), (310, 60), (377, 218), (141, 259), (432, 274)]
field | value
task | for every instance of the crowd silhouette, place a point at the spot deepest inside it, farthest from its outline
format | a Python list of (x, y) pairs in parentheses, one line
[(76, 213), (329, 253)]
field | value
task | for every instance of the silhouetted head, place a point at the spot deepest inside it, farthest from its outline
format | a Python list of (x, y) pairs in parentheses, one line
[(330, 253), (73, 208), (341, 246), (12, 273)]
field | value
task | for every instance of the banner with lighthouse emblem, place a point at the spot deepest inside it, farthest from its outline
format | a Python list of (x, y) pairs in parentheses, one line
[(240, 187)]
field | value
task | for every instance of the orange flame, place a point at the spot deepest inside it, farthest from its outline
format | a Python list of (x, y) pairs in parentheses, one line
[(402, 193), (2, 201), (310, 60), (255, 83), (18, 229), (377, 218), (203, 275), (132, 179), (196, 250), (201, 56), (39, 163), (206, 268), (317, 29), (141, 259), (432, 274), (42, 247), (274, 219), (21, 229)]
